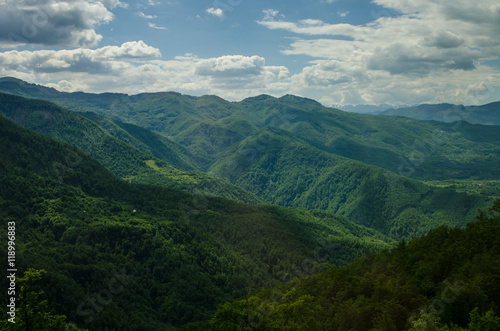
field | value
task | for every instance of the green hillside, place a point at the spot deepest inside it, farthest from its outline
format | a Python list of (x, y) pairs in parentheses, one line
[(445, 280), (177, 255), (130, 152), (207, 126), (289, 172), (417, 149), (292, 151)]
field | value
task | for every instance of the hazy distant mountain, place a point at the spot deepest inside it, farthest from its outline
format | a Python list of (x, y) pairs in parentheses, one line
[(488, 114), (364, 109)]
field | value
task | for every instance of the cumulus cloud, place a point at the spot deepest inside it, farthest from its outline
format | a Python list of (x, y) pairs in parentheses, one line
[(99, 61), (215, 12), (324, 74), (128, 50), (426, 52), (53, 23), (135, 67), (230, 66), (270, 14), (443, 39)]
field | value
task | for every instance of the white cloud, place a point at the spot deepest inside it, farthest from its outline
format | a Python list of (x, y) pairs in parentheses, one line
[(47, 22), (270, 14), (432, 51), (154, 26), (429, 52), (104, 60), (149, 17), (230, 66), (128, 50), (153, 3), (343, 13), (113, 3), (218, 12), (135, 67)]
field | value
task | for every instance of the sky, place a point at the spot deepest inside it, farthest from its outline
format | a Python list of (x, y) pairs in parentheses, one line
[(338, 52)]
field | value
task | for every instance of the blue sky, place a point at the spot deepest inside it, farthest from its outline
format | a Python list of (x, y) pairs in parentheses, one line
[(339, 52)]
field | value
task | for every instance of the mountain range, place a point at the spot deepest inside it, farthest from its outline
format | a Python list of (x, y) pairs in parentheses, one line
[(183, 253), (288, 151), (202, 202), (488, 114)]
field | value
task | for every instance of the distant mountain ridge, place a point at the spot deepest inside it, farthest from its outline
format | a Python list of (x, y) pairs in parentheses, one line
[(488, 114), (208, 125), (364, 109)]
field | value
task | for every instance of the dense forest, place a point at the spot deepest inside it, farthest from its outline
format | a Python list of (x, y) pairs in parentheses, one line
[(207, 126), (184, 254), (449, 279), (164, 211), (130, 152), (276, 163)]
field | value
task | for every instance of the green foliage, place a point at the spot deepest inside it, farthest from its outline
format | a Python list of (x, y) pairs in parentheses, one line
[(124, 149), (291, 173), (207, 126), (487, 322), (488, 188), (294, 152), (431, 283), (179, 255), (31, 313)]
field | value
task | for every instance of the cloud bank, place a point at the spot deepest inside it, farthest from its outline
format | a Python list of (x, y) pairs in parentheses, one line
[(53, 23), (430, 51)]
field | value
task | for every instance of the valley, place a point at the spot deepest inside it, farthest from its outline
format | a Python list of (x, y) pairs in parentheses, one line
[(217, 211)]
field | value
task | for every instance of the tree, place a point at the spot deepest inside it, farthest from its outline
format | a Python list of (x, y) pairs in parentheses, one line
[(31, 314), (486, 322)]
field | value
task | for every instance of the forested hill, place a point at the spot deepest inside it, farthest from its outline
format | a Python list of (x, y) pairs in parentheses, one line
[(178, 255), (207, 126), (447, 280), (183, 254), (128, 151), (294, 152)]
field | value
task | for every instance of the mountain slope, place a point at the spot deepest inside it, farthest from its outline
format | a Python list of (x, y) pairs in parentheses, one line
[(289, 172), (86, 227), (207, 126), (446, 280), (130, 152), (292, 151), (417, 149)]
